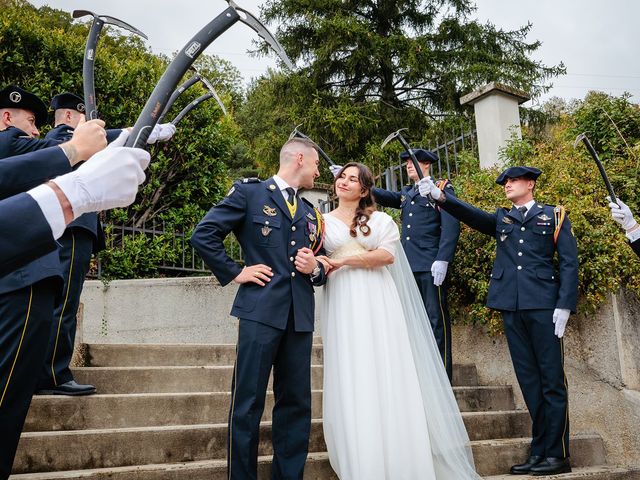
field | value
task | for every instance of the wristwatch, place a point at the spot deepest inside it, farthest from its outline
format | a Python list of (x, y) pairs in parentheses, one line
[(316, 271)]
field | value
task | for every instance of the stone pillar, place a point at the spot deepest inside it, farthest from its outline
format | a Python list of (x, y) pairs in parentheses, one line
[(497, 118)]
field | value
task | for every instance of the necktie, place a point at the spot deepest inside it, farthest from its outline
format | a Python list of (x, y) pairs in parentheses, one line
[(523, 211), (292, 204)]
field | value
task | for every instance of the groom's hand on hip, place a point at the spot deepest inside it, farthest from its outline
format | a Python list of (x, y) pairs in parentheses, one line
[(305, 261), (260, 274)]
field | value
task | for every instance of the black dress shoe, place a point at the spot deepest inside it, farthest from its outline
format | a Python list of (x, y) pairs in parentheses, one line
[(552, 466), (525, 468), (69, 388)]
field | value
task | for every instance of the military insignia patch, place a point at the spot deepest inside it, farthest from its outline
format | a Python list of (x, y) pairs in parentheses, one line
[(270, 211), (266, 231), (311, 216), (503, 237), (231, 190), (544, 217), (402, 198), (507, 220)]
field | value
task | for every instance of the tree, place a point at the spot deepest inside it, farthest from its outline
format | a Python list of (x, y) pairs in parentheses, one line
[(409, 53)]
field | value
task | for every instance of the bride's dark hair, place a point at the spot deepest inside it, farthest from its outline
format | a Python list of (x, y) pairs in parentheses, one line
[(366, 205)]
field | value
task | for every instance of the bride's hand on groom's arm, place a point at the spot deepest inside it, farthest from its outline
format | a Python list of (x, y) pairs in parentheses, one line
[(326, 263), (260, 274)]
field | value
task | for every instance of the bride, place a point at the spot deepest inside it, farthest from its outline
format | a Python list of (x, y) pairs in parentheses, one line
[(389, 410)]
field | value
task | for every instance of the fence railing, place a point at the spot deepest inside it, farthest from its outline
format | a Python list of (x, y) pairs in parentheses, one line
[(177, 255), (448, 152)]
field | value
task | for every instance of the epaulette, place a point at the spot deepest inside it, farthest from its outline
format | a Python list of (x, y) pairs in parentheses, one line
[(250, 180)]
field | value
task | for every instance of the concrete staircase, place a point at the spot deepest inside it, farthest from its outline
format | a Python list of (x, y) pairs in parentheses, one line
[(161, 413)]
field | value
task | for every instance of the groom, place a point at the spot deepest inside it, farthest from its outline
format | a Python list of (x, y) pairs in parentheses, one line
[(278, 232)]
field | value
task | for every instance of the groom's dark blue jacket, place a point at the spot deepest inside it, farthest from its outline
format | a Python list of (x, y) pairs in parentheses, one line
[(257, 214)]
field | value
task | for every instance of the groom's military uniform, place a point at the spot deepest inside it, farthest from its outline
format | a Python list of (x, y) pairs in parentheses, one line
[(276, 321), (428, 234), (526, 288)]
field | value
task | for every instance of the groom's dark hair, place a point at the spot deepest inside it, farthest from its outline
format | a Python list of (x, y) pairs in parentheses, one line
[(367, 204)]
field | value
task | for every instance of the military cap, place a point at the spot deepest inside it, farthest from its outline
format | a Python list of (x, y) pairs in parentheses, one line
[(422, 155), (15, 97), (68, 100), (530, 173)]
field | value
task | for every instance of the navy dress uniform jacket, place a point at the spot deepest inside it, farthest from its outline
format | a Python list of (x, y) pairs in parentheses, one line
[(257, 214), (14, 141), (428, 234), (22, 241), (51, 162), (523, 276)]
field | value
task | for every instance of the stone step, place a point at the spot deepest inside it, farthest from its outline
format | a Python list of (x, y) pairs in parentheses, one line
[(57, 412), (316, 468), (172, 379), (150, 355), (163, 453), (599, 472)]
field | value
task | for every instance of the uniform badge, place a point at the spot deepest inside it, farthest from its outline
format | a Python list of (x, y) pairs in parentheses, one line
[(503, 237), (270, 211), (402, 198), (272, 187), (507, 220), (544, 217), (266, 231), (80, 107), (311, 216), (231, 190), (15, 97)]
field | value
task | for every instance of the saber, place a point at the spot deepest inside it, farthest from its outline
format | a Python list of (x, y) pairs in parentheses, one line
[(583, 137), (190, 52), (194, 104), (88, 62), (397, 135), (177, 92), (298, 134)]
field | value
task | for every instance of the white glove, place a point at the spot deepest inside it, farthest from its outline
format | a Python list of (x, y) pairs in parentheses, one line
[(426, 187), (335, 169), (621, 213), (560, 319), (439, 272), (161, 132), (109, 179)]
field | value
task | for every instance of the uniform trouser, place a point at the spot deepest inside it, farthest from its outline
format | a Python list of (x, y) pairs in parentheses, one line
[(289, 352), (75, 250), (25, 323), (435, 301), (538, 360)]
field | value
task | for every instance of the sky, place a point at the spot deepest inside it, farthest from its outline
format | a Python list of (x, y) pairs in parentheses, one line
[(597, 41)]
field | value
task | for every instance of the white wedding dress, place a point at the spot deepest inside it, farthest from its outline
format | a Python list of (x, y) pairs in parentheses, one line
[(389, 412)]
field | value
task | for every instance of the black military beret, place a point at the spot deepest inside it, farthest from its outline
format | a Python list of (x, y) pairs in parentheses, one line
[(68, 100), (423, 156), (531, 173), (15, 97)]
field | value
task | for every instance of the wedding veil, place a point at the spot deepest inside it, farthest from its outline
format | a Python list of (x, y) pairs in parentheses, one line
[(450, 445)]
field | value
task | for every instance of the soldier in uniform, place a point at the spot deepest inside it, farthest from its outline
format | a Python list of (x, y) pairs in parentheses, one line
[(28, 294), (535, 301), (429, 237), (622, 215), (81, 239), (279, 233)]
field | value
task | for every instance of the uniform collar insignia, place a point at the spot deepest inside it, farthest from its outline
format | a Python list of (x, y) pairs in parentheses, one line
[(544, 217), (507, 220), (270, 211), (272, 187)]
